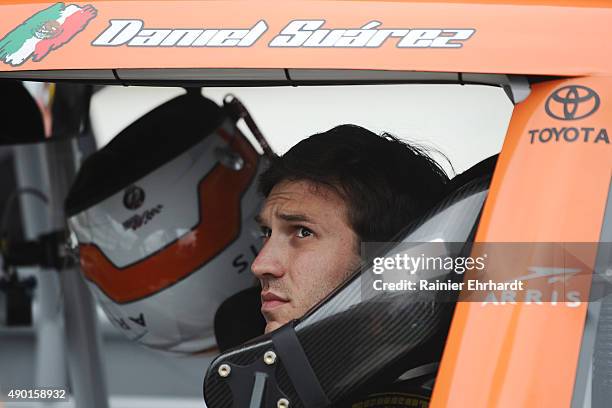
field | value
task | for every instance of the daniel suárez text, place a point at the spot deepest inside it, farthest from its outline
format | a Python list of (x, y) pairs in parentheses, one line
[(412, 264)]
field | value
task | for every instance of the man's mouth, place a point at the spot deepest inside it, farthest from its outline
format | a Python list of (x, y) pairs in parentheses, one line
[(270, 300)]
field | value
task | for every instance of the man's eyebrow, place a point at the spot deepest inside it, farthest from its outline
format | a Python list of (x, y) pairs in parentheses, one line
[(287, 217), (294, 217)]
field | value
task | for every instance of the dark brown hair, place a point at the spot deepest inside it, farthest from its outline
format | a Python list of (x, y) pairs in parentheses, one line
[(385, 182)]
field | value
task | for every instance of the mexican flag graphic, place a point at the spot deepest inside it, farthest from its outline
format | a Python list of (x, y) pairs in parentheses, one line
[(45, 31)]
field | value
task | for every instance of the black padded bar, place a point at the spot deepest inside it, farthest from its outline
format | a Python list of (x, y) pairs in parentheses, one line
[(303, 377)]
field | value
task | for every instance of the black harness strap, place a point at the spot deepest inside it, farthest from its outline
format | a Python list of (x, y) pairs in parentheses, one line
[(301, 374)]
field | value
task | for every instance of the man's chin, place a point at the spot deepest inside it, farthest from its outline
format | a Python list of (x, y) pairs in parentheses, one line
[(271, 326)]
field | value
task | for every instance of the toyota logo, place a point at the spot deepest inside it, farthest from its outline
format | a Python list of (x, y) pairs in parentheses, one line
[(572, 102), (133, 197)]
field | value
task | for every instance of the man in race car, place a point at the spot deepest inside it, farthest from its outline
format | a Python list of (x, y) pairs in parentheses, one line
[(324, 197)]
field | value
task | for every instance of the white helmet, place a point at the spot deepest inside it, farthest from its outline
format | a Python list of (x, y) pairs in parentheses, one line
[(164, 219)]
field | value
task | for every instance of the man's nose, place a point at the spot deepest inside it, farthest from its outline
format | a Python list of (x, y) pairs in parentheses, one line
[(269, 262)]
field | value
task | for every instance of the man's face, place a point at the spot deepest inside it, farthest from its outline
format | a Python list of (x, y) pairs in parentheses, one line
[(309, 249)]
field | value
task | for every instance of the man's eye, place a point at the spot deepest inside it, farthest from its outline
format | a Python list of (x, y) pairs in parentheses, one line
[(303, 232), (265, 232)]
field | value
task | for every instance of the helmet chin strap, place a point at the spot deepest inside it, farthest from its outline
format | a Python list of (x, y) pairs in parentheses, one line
[(238, 111)]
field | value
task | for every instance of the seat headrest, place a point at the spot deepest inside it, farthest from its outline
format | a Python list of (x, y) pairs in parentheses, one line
[(239, 319)]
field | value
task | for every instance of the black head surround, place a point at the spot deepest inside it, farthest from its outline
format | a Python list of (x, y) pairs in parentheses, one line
[(354, 338)]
